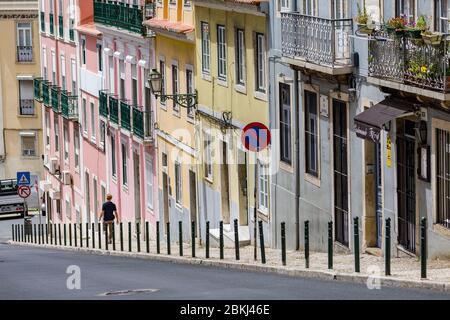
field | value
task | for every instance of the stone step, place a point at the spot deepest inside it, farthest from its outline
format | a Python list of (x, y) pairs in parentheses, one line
[(228, 237)]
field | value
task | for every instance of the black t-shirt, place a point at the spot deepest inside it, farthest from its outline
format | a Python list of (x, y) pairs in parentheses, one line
[(109, 208)]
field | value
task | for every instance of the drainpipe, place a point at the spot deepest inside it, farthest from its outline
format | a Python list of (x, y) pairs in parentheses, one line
[(297, 163)]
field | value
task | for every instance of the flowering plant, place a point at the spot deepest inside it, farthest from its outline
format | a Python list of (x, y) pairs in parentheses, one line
[(397, 23)]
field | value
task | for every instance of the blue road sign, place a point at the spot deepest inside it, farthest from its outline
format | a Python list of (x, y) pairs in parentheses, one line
[(23, 178)]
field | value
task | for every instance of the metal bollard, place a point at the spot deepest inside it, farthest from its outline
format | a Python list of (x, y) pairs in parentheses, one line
[(121, 236), (59, 233), (193, 238), (147, 237), (307, 244), (65, 235), (158, 248), (81, 235), (168, 237), (129, 237), (87, 234), (70, 234), (21, 231), (138, 235), (46, 234), (356, 244), (423, 248), (221, 239), (93, 235), (180, 237), (39, 233), (236, 239), (387, 251), (105, 227), (56, 235), (207, 239), (99, 228), (113, 236), (283, 243), (75, 234), (34, 233), (12, 233), (330, 245), (261, 242)]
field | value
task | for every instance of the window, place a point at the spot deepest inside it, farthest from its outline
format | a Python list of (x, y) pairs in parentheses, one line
[(93, 121), (221, 53), (310, 7), (113, 157), (28, 140), (63, 73), (102, 134), (285, 123), (95, 196), (311, 133), (47, 128), (175, 85), (60, 20), (190, 89), (122, 79), (85, 129), (284, 5), (240, 57), (206, 50), (162, 70), (76, 136), (124, 165), (83, 51), (374, 9), (111, 74), (54, 81), (26, 100), (103, 191), (74, 76), (66, 143), (440, 16), (134, 84), (178, 182), (405, 8), (44, 63), (207, 146), (24, 42), (99, 57), (260, 63), (149, 180), (68, 210), (263, 188), (56, 127), (443, 177)]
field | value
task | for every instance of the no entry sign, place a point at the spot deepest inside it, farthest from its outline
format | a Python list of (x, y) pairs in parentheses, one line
[(24, 191), (255, 136)]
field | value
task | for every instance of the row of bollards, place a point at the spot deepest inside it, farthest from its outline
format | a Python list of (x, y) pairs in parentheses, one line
[(52, 234)]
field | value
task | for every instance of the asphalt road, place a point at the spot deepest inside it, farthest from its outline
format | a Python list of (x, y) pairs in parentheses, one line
[(29, 273)]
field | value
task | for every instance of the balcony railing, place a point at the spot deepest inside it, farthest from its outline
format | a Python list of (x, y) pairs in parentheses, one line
[(61, 26), (46, 92), (114, 109), (320, 41), (401, 59), (55, 94), (52, 23), (125, 115), (37, 83), (24, 53), (120, 15), (69, 105), (103, 104), (42, 21), (142, 123), (26, 107)]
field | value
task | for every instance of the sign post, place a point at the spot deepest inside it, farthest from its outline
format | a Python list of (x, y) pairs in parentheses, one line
[(255, 138), (23, 190)]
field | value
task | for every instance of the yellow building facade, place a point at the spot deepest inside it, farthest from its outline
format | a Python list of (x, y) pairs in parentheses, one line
[(173, 53), (232, 83), (20, 122)]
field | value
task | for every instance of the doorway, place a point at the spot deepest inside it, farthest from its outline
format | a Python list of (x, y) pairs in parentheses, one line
[(225, 185), (242, 178), (165, 191), (193, 198), (340, 168), (406, 185), (137, 188)]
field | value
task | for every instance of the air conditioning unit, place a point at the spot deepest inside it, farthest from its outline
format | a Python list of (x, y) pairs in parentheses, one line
[(45, 159), (66, 178), (53, 165), (45, 185)]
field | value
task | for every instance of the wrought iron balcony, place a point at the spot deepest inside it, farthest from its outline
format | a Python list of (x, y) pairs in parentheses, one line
[(42, 21), (26, 107), (52, 23), (142, 124), (61, 26), (46, 92), (402, 60), (114, 109), (69, 105), (317, 43), (120, 15), (38, 93), (125, 115), (24, 53), (55, 95), (103, 104)]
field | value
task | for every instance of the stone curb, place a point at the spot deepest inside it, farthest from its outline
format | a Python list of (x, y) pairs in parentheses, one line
[(286, 271)]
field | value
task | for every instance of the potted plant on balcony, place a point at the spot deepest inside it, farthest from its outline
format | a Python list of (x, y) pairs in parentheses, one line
[(396, 25), (415, 29), (432, 38), (363, 21)]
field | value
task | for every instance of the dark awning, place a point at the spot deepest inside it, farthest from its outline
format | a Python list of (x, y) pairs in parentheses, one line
[(368, 124)]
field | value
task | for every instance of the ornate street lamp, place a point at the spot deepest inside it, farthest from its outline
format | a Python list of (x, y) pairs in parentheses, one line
[(186, 100)]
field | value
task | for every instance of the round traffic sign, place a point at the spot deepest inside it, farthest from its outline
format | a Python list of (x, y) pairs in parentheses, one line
[(255, 136), (24, 191)]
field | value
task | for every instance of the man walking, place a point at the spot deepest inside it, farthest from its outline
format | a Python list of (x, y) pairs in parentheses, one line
[(109, 213)]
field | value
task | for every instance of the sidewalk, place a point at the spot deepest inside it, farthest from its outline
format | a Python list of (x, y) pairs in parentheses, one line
[(405, 271)]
